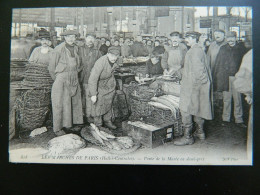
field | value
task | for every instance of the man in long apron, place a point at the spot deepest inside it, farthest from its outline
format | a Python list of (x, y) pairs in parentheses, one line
[(195, 95), (66, 94), (101, 89)]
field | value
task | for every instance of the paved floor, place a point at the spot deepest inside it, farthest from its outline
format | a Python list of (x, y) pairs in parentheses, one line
[(224, 144)]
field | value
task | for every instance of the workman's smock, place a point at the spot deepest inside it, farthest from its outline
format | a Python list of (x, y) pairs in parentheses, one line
[(66, 93), (101, 84)]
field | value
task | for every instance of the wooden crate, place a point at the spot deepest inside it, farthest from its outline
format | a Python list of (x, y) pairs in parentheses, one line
[(149, 137)]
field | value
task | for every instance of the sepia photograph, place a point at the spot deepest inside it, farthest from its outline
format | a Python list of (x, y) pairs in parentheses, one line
[(143, 85)]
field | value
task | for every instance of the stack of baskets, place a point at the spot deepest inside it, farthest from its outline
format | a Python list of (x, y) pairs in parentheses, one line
[(17, 69), (37, 75), (34, 104)]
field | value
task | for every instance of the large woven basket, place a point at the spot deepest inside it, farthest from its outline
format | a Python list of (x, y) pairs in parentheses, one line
[(32, 107), (30, 119), (17, 70)]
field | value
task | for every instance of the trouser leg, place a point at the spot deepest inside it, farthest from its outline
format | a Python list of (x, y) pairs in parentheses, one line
[(98, 121), (108, 116), (57, 105), (238, 110), (200, 121), (227, 100), (186, 119)]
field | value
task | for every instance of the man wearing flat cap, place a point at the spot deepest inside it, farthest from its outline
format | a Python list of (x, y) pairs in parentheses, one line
[(227, 65), (89, 54), (101, 89), (213, 50), (64, 67), (173, 58), (195, 95)]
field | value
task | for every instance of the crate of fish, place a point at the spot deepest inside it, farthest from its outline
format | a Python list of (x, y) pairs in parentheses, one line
[(164, 109)]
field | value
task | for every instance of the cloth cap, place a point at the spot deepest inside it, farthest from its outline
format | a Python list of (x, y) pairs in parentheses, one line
[(44, 34), (113, 50), (192, 34), (70, 32), (231, 34), (157, 52), (175, 33), (219, 30)]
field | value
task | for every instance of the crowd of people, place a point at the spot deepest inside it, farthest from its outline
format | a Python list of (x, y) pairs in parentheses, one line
[(84, 83)]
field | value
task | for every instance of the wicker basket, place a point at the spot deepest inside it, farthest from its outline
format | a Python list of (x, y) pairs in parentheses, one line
[(30, 119), (17, 71), (32, 107)]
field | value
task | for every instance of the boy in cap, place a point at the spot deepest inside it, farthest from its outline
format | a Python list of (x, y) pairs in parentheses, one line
[(227, 65), (195, 95), (101, 89), (64, 67), (153, 66), (173, 58)]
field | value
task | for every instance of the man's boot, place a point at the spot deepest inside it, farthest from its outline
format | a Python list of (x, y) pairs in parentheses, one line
[(110, 125), (178, 132), (187, 139), (199, 133)]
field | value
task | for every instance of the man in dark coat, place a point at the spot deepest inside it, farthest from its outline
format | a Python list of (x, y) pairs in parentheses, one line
[(195, 95), (101, 90), (89, 54), (138, 48), (227, 64)]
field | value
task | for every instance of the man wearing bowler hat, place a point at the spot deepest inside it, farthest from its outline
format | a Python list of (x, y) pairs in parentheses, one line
[(101, 89), (195, 95), (64, 67)]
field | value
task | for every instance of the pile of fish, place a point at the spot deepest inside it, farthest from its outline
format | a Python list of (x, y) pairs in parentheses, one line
[(165, 102), (112, 142)]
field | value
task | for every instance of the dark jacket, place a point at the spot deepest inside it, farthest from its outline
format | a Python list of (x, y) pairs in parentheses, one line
[(88, 57), (138, 49), (153, 69), (227, 64)]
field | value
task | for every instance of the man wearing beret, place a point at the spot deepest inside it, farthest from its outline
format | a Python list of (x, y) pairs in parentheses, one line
[(173, 58), (227, 65), (64, 67), (101, 89), (195, 95), (89, 54)]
